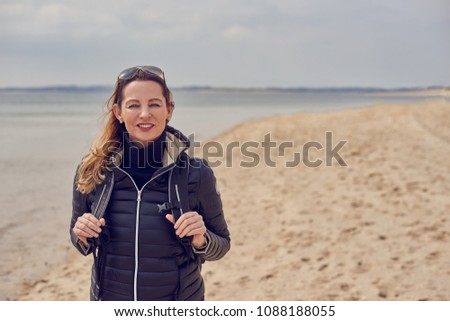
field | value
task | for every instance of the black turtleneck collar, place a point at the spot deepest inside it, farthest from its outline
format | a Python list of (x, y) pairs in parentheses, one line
[(141, 162)]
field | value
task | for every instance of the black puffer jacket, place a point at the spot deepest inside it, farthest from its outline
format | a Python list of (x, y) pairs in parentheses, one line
[(138, 256)]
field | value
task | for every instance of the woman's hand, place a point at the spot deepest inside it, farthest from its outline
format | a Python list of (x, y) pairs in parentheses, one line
[(190, 224), (88, 226)]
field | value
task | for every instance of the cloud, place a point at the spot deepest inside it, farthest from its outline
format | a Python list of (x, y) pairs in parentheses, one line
[(270, 42), (66, 20)]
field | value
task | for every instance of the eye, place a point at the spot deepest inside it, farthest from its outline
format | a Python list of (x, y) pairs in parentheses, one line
[(155, 105), (133, 106)]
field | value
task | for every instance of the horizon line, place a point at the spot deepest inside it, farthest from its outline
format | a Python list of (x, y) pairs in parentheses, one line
[(232, 88)]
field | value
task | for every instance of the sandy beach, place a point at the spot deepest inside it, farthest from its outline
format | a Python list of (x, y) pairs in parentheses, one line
[(441, 92), (376, 229)]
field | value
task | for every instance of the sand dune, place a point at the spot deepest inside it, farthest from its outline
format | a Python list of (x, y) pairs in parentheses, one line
[(377, 229)]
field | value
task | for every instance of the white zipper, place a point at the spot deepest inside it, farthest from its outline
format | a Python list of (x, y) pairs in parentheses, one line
[(136, 239), (136, 242)]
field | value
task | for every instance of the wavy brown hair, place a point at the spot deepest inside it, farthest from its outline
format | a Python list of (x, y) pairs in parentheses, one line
[(94, 165)]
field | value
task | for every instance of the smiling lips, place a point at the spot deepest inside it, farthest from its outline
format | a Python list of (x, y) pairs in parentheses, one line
[(146, 126)]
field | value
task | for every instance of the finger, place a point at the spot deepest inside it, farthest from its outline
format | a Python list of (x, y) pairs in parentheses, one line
[(85, 224), (84, 233), (187, 221), (184, 217), (170, 218), (102, 222), (91, 221), (91, 218), (198, 231), (190, 228)]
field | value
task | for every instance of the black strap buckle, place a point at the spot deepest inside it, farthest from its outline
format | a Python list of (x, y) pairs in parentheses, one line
[(164, 207)]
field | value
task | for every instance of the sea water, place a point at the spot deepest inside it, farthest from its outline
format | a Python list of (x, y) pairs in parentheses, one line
[(205, 112)]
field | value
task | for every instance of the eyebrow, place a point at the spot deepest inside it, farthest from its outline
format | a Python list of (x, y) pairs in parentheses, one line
[(137, 100)]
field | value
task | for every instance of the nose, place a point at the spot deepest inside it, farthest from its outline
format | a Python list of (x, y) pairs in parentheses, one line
[(145, 113)]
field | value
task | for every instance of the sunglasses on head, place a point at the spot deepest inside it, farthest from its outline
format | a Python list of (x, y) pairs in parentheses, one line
[(129, 73)]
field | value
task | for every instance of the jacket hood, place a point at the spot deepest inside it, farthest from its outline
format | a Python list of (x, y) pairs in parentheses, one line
[(176, 143)]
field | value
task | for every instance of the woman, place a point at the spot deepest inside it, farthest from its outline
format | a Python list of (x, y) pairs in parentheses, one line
[(127, 208)]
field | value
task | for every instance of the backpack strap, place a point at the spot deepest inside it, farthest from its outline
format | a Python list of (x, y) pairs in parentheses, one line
[(179, 200), (102, 196)]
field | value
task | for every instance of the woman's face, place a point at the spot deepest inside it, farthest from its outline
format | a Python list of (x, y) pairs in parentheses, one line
[(143, 110)]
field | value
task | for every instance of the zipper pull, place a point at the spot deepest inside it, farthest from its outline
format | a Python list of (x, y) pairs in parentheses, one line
[(139, 196)]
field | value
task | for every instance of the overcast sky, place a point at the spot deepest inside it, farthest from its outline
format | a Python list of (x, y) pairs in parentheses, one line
[(316, 43)]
